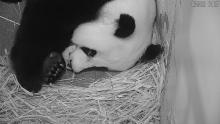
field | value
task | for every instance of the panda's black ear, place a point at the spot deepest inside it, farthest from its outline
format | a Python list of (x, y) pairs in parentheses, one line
[(11, 1), (126, 26)]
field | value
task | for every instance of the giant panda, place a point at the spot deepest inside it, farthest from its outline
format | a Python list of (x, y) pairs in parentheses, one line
[(79, 34)]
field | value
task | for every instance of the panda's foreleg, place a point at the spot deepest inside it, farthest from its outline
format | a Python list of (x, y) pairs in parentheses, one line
[(32, 69)]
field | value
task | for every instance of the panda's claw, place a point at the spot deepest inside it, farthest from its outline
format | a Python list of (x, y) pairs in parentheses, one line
[(54, 67)]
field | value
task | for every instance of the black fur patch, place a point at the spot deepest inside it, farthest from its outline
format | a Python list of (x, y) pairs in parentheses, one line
[(152, 52), (126, 26), (89, 52)]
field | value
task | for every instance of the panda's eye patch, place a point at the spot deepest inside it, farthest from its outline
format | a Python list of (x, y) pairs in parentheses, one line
[(126, 26), (89, 52)]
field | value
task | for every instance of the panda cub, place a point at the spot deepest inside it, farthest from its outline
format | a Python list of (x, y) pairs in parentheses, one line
[(81, 34)]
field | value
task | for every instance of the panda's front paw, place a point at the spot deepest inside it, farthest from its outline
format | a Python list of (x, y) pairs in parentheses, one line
[(54, 67)]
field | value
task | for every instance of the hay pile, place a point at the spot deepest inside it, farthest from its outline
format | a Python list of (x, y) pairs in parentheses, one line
[(131, 97)]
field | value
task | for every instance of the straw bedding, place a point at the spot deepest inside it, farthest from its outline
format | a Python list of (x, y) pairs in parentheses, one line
[(130, 97)]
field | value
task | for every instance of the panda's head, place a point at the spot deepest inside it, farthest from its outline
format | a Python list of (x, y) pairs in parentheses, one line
[(116, 39)]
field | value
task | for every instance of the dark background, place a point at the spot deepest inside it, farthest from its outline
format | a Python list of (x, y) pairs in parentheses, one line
[(8, 28)]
